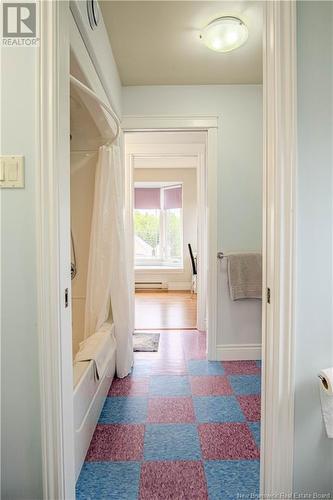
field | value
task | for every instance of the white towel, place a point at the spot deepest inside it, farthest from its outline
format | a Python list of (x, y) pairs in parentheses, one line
[(245, 276), (99, 348)]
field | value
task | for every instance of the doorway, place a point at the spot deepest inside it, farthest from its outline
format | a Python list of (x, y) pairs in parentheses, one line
[(167, 179), (273, 468)]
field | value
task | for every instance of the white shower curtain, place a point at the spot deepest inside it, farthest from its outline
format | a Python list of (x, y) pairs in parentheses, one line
[(108, 277)]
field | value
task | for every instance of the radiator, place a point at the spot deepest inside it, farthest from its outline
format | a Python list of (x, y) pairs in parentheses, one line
[(151, 285)]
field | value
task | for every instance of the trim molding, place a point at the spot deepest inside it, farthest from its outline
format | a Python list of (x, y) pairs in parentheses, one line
[(207, 196), (211, 249), (53, 229), (141, 123), (280, 71), (234, 352)]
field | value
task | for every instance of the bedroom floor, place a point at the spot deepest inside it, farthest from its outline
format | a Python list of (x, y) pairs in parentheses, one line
[(178, 427), (165, 310)]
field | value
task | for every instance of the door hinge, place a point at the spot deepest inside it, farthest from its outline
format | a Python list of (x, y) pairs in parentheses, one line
[(66, 297), (268, 295)]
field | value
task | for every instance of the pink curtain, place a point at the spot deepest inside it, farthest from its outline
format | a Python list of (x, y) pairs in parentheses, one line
[(147, 198), (173, 197)]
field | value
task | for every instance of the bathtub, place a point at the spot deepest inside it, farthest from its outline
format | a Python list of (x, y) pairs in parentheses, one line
[(88, 400)]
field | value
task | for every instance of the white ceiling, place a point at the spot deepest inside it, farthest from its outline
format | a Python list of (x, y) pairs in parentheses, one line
[(157, 42)]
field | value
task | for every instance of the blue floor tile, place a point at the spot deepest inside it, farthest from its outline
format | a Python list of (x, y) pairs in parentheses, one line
[(245, 384), (141, 368), (218, 409), (229, 480), (255, 429), (124, 410), (203, 367), (171, 442), (169, 385), (108, 480)]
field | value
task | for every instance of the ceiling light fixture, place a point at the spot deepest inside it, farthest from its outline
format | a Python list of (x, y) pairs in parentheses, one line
[(224, 34)]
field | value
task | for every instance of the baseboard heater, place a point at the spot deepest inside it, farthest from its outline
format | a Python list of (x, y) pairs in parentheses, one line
[(151, 285)]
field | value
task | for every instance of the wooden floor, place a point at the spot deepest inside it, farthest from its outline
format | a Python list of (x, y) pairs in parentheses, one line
[(165, 310)]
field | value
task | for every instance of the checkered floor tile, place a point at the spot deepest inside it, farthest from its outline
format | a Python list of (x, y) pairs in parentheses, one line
[(181, 428)]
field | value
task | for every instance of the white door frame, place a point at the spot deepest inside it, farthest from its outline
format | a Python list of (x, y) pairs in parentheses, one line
[(181, 153), (280, 96), (52, 211), (207, 197), (53, 230)]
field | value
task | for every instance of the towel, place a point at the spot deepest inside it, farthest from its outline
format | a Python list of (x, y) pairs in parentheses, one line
[(245, 276), (99, 348)]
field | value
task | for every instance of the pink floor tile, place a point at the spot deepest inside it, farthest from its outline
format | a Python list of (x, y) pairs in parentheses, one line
[(229, 441), (240, 368), (173, 480), (251, 407), (215, 385), (170, 410), (116, 442), (129, 386)]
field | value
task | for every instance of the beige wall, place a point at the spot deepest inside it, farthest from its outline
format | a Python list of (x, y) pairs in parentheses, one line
[(85, 141), (83, 166), (188, 176)]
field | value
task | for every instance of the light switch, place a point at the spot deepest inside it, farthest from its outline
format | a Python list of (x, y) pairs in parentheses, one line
[(11, 171), (2, 170)]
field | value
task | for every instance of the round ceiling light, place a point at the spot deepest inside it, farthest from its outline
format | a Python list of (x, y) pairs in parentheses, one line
[(224, 34)]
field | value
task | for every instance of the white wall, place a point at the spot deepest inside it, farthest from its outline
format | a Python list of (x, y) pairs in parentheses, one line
[(188, 177), (239, 108), (313, 466), (20, 406)]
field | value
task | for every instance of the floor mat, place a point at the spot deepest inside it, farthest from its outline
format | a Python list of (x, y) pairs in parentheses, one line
[(145, 342)]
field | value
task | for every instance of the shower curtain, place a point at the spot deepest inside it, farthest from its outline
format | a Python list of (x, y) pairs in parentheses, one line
[(108, 277)]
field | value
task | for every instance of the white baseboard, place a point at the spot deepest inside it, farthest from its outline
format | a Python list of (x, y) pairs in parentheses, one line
[(234, 352), (179, 285)]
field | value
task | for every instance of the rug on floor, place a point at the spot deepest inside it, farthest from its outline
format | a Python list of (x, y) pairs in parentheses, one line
[(145, 342)]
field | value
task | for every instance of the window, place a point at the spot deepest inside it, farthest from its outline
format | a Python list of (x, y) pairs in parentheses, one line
[(158, 226)]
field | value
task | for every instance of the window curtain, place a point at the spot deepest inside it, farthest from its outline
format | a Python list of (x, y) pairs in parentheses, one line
[(108, 274), (173, 197), (147, 198)]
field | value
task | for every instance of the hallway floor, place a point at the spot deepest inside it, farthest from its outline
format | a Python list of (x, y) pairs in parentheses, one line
[(178, 427), (174, 309)]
